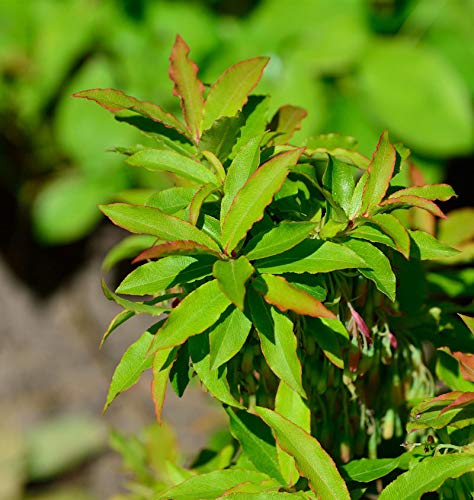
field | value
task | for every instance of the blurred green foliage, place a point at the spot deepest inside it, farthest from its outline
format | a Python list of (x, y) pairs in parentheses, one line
[(357, 66)]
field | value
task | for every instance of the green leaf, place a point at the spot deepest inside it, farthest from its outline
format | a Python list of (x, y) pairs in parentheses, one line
[(129, 247), (428, 475), (154, 277), (148, 220), (380, 271), (243, 165), (161, 364), (278, 292), (183, 71), (199, 198), (250, 201), (170, 161), (366, 470), (278, 239), (229, 93), (179, 247), (332, 337), (198, 311), (356, 200), (312, 256), (371, 232), (441, 192), (231, 276), (222, 136), (395, 229), (278, 342), (311, 459), (228, 336), (255, 113), (338, 179), (409, 201), (257, 442), (290, 405), (172, 200), (118, 320), (426, 247), (447, 370), (286, 122), (215, 380), (211, 485), (380, 172), (133, 363), (116, 101)]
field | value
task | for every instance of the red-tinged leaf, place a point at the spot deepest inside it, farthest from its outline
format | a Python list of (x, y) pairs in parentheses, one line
[(162, 364), (466, 365), (179, 247), (286, 122), (149, 220), (408, 201), (198, 200), (359, 321), (116, 101), (250, 201), (278, 292), (183, 72), (464, 399), (230, 92), (380, 172), (442, 192)]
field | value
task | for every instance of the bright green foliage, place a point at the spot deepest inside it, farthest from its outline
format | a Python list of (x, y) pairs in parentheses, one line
[(287, 287)]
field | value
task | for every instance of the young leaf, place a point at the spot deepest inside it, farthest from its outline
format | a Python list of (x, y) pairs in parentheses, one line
[(278, 292), (154, 277), (442, 192), (228, 336), (312, 256), (408, 201), (380, 172), (381, 271), (243, 165), (172, 200), (229, 93), (428, 475), (366, 470), (148, 220), (198, 311), (338, 179), (183, 72), (231, 276), (311, 459), (250, 201), (199, 198), (179, 247), (278, 239), (286, 122), (278, 342), (214, 380), (426, 247), (162, 159), (133, 363), (162, 363), (257, 442), (395, 229)]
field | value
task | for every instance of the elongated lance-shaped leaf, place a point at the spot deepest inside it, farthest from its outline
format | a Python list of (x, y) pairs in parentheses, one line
[(230, 92), (222, 136), (187, 86), (197, 312), (161, 367), (311, 459), (199, 198), (356, 200), (133, 363), (290, 405), (243, 165), (380, 172), (250, 202), (425, 247), (256, 120), (214, 380), (428, 475), (338, 179), (366, 470), (278, 292), (216, 165), (372, 232), (278, 239), (228, 336), (257, 442), (153, 277), (231, 276), (180, 247), (395, 229), (286, 122), (116, 101), (312, 256), (173, 199), (408, 201), (441, 192), (278, 341), (171, 161), (381, 271), (148, 220), (118, 320)]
